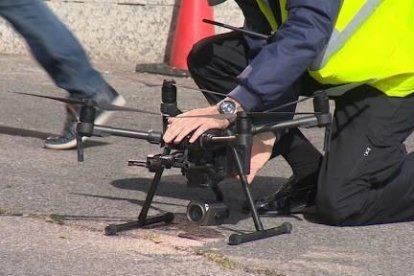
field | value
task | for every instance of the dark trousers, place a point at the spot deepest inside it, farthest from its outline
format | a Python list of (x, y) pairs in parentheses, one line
[(368, 177), (215, 62)]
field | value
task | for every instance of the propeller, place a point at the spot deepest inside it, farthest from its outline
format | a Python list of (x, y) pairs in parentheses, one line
[(254, 115), (186, 87), (64, 100), (84, 101), (330, 92), (270, 113)]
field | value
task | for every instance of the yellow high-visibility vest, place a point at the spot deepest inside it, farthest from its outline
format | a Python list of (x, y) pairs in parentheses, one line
[(373, 42)]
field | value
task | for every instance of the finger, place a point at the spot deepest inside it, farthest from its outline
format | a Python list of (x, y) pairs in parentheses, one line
[(185, 131), (171, 133), (199, 131), (206, 125), (209, 124), (168, 137), (249, 178)]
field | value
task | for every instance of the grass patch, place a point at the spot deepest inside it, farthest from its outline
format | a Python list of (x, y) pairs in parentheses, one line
[(55, 218), (8, 212), (219, 259)]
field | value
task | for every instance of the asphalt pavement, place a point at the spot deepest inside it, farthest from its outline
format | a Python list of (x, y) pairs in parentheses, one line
[(53, 209)]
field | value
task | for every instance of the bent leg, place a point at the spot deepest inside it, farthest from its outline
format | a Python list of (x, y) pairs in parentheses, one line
[(367, 178), (216, 61)]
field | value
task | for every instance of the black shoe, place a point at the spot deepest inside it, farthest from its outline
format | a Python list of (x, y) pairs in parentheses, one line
[(293, 197), (68, 138)]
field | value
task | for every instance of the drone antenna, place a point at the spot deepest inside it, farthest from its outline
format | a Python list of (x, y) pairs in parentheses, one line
[(287, 104), (186, 87), (244, 31), (202, 90)]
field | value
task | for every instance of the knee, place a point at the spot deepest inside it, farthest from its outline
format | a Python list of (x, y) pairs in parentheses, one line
[(331, 210), (199, 56)]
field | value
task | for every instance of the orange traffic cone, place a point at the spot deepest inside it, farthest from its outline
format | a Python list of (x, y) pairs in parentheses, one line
[(189, 30)]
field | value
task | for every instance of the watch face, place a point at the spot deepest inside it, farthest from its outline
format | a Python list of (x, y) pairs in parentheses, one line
[(227, 107)]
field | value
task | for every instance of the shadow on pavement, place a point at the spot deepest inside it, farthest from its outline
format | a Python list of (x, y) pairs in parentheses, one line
[(13, 131), (24, 132), (174, 186)]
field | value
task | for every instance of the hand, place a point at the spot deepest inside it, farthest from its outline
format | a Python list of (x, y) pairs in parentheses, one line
[(261, 151), (179, 128)]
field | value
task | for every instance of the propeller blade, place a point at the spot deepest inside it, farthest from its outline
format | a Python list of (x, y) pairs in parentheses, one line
[(214, 116), (64, 100), (288, 104), (252, 114), (102, 105), (186, 87), (202, 90), (111, 107), (275, 114)]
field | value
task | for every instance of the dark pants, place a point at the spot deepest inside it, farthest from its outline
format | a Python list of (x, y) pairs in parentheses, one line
[(368, 177), (53, 46), (214, 64)]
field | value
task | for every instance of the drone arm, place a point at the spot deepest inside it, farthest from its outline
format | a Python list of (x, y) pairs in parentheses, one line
[(153, 137), (322, 118), (207, 139), (310, 121)]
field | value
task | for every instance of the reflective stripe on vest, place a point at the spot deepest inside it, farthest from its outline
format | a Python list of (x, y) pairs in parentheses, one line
[(283, 9), (268, 13), (375, 46), (373, 42), (339, 38)]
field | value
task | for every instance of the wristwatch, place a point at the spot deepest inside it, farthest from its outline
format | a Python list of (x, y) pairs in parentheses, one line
[(227, 107)]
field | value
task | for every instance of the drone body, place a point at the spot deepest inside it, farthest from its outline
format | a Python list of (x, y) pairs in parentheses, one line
[(216, 155)]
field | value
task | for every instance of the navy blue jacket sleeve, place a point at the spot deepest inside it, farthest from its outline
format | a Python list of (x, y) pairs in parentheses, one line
[(287, 56)]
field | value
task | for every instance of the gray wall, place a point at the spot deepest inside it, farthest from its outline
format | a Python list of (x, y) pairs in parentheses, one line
[(131, 30)]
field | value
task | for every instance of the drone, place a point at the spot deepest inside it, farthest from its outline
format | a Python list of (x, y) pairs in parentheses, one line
[(216, 155)]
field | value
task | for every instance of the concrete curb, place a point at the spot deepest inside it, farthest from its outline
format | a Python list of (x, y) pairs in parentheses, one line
[(130, 30)]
